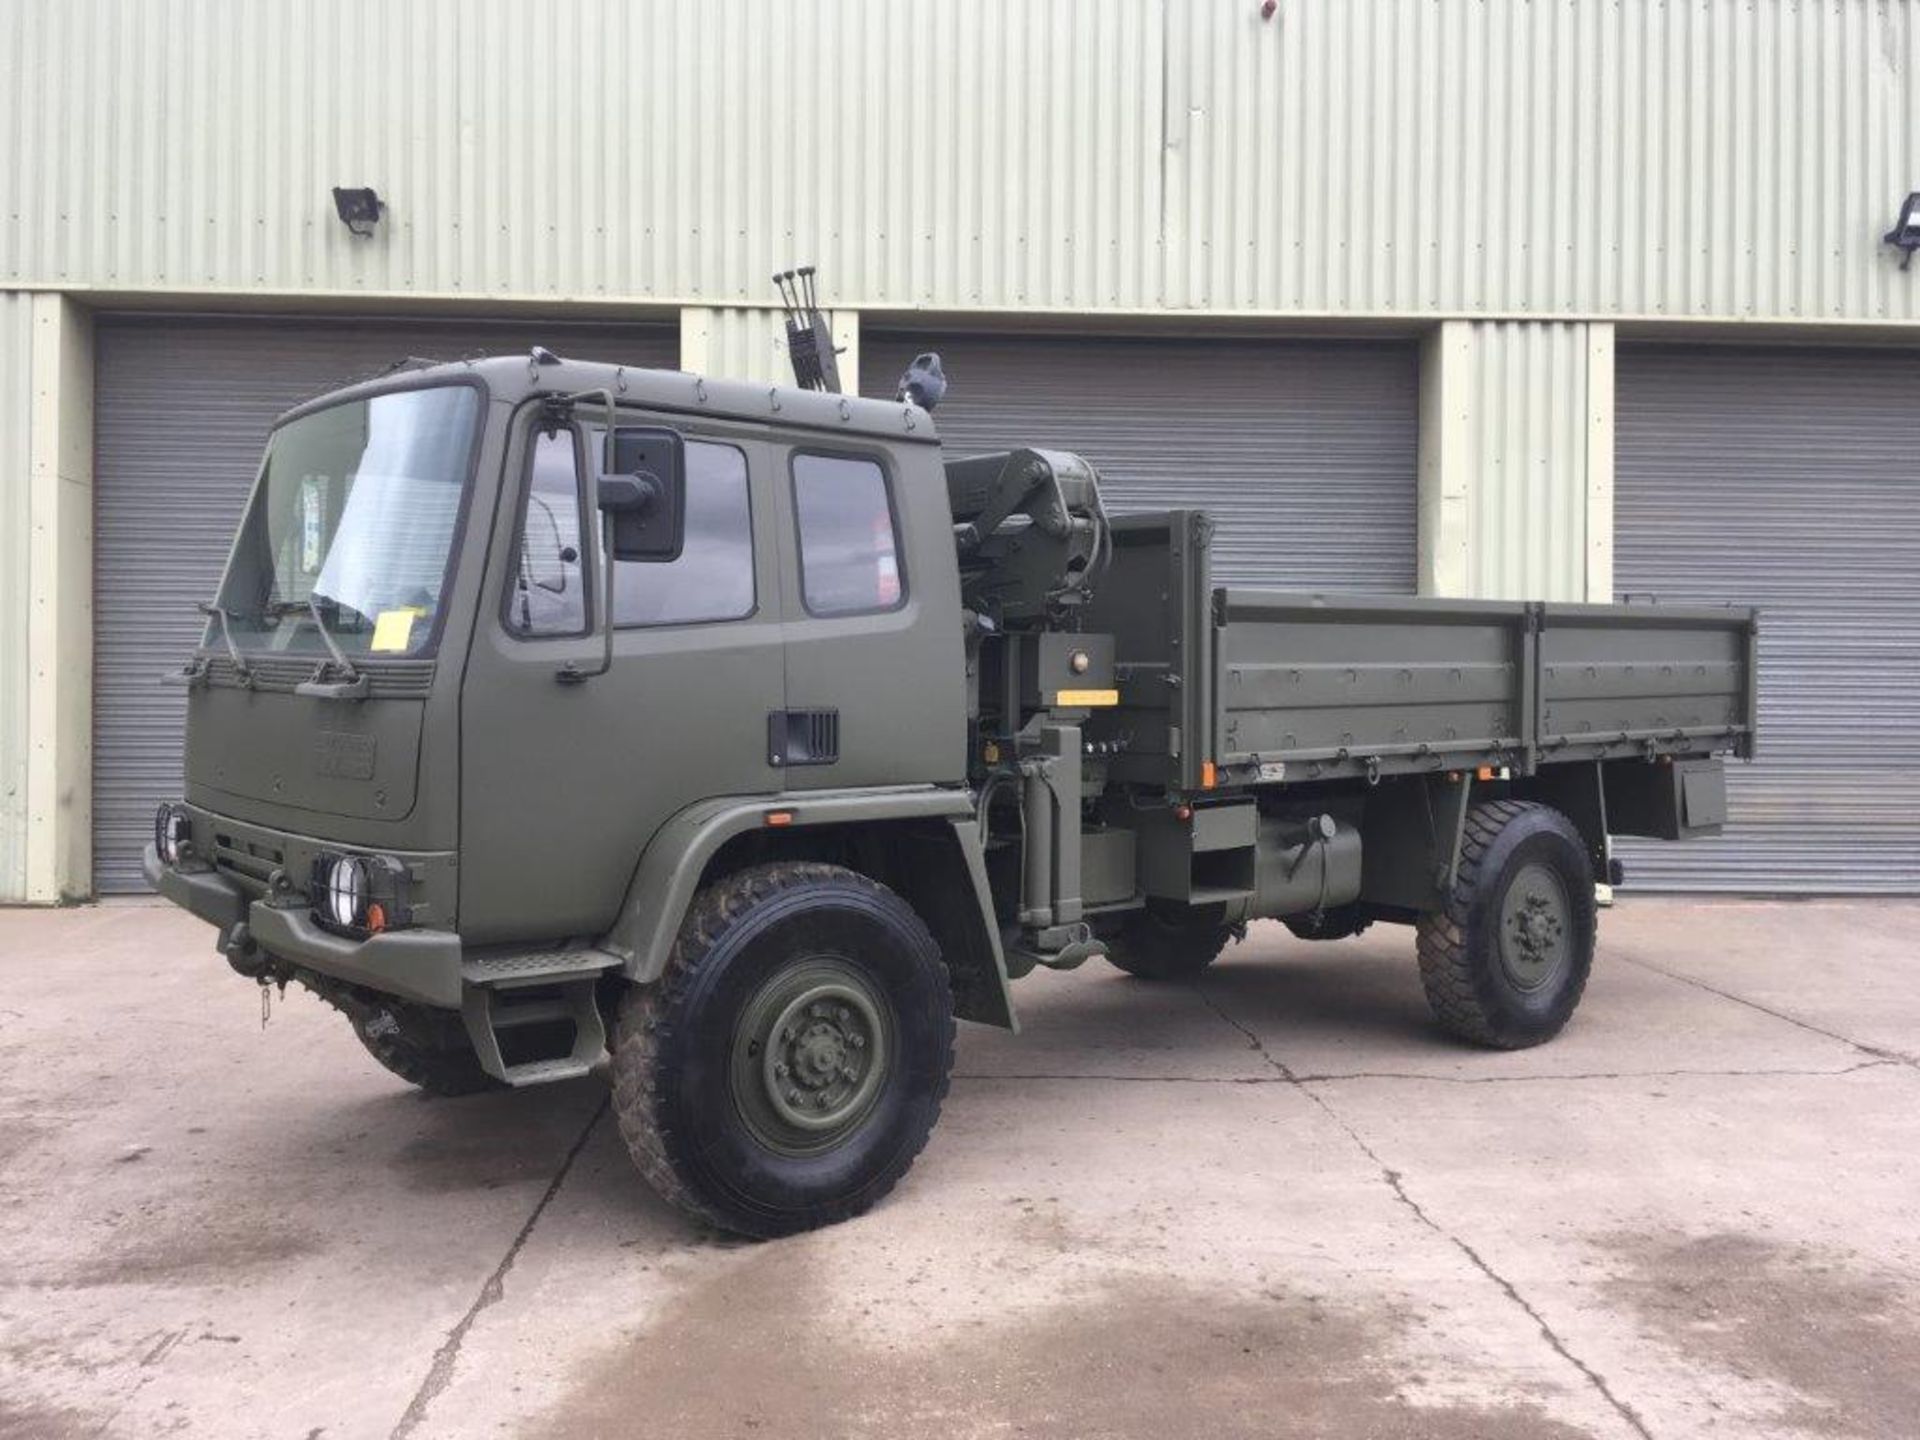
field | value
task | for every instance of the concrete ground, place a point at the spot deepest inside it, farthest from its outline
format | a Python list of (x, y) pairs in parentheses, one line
[(1278, 1204)]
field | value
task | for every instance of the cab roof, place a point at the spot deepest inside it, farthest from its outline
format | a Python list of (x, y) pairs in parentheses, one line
[(515, 378)]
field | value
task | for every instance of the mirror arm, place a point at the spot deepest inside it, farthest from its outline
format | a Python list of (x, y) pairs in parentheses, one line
[(573, 673)]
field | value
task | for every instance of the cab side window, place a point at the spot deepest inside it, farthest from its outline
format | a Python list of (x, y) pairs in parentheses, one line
[(549, 589), (713, 578), (849, 546)]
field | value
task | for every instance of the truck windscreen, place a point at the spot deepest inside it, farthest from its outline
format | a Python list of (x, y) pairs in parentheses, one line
[(351, 526)]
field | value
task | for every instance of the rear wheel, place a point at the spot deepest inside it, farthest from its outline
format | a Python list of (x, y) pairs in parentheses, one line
[(1505, 963), (428, 1049), (1170, 942), (789, 1065)]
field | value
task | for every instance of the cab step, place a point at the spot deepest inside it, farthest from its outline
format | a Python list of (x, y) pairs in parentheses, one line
[(542, 1072), (535, 1018), (537, 967)]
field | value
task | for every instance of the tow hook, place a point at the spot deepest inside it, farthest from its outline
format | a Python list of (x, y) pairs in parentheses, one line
[(243, 954)]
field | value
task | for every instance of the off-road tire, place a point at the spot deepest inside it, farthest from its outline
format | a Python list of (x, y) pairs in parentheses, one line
[(417, 1048), (1340, 923), (1471, 988), (675, 1043), (1173, 943)]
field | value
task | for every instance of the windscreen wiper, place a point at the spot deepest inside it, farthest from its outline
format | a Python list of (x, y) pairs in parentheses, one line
[(352, 685), (242, 671), (333, 648)]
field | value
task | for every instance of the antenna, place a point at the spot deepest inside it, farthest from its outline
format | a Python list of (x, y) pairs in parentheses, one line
[(809, 337)]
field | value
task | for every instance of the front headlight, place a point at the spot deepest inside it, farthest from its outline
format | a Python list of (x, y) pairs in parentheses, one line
[(345, 897), (359, 894), (172, 832)]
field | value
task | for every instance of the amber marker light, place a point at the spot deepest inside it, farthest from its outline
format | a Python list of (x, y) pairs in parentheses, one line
[(777, 818)]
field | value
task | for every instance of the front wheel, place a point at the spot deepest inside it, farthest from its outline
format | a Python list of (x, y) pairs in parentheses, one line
[(790, 1063), (426, 1048), (1505, 963)]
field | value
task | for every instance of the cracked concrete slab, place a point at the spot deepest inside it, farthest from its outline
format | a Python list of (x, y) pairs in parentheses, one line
[(1582, 1195), (1842, 967), (1096, 1021), (946, 1311), (1274, 1204), (1356, 1006), (221, 1228)]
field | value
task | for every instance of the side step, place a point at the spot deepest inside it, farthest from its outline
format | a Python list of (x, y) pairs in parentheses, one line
[(508, 992)]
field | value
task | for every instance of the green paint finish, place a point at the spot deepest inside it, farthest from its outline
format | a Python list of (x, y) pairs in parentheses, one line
[(1535, 936), (811, 1054), (551, 794)]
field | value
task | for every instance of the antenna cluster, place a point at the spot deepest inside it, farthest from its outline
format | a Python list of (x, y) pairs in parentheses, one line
[(809, 337)]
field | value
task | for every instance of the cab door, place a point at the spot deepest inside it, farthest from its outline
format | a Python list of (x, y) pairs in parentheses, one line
[(562, 785), (876, 661)]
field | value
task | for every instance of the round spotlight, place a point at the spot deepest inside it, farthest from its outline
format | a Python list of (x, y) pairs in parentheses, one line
[(171, 831), (346, 891)]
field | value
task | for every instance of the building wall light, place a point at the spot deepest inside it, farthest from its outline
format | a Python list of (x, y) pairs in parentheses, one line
[(359, 209), (1905, 234)]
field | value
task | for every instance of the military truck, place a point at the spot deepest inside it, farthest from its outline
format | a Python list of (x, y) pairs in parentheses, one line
[(554, 715)]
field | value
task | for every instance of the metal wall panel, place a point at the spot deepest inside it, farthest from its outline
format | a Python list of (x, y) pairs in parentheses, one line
[(186, 406), (1513, 157), (1786, 479), (1302, 451), (1525, 451), (16, 559), (742, 343)]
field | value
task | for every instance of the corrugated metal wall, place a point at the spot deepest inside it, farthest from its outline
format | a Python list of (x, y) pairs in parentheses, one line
[(743, 343), (1516, 157), (1786, 479), (1524, 419), (1302, 451), (16, 400)]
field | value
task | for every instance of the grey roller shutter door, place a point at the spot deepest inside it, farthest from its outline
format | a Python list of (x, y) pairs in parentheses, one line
[(183, 410), (1303, 451), (1790, 480)]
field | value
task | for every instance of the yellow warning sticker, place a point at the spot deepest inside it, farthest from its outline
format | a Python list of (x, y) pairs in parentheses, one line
[(393, 630)]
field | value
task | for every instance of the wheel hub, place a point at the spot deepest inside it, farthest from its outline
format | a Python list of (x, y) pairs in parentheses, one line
[(810, 1054), (1534, 925)]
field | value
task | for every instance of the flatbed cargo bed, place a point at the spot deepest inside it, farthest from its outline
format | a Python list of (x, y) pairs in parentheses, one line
[(1271, 687)]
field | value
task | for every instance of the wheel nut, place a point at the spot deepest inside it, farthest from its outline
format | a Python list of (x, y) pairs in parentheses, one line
[(781, 1071), (858, 1042)]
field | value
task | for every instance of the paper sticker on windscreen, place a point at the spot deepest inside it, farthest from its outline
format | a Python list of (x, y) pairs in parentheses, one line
[(393, 631)]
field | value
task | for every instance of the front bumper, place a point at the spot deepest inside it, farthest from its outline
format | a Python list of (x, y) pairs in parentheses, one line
[(422, 965)]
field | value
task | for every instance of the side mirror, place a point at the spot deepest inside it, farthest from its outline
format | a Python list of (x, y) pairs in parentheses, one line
[(644, 494)]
